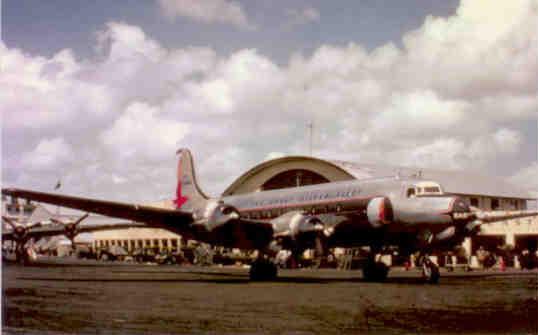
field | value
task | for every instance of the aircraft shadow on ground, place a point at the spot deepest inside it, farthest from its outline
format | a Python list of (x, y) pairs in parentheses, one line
[(228, 279)]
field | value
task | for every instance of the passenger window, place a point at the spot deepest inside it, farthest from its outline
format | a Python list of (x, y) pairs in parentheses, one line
[(411, 193)]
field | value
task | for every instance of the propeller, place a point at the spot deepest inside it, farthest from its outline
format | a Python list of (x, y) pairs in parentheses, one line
[(71, 228), (20, 236), (20, 231), (320, 250)]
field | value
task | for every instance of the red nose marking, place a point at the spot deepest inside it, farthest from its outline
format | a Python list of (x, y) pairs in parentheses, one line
[(180, 200), (382, 211)]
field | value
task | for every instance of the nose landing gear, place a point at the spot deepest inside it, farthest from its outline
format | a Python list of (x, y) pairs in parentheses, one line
[(430, 270)]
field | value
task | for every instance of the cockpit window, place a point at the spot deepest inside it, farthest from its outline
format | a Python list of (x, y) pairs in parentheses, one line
[(410, 192), (433, 189)]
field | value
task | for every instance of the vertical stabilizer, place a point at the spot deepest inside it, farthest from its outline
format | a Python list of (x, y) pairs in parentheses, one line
[(188, 195)]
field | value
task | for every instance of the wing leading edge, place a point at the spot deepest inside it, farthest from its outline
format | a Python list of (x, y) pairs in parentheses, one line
[(153, 216)]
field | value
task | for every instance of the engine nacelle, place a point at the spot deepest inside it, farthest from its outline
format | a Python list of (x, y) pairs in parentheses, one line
[(379, 212), (220, 214), (301, 224), (295, 224)]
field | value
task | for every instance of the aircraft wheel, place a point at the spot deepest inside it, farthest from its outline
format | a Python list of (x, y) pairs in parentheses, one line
[(262, 269), (430, 271), (375, 271)]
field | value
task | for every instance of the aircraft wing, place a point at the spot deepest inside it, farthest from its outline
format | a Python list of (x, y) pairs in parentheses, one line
[(479, 217), (153, 216), (55, 230), (494, 216)]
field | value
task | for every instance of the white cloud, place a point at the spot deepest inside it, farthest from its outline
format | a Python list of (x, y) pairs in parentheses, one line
[(49, 155), (140, 132), (207, 11), (448, 99), (417, 114)]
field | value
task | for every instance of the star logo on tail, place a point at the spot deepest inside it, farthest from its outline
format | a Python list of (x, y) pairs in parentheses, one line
[(180, 199)]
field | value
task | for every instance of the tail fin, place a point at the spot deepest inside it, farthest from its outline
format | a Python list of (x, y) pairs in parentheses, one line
[(188, 195)]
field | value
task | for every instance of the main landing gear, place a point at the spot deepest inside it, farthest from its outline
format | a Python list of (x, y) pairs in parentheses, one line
[(375, 271), (263, 269)]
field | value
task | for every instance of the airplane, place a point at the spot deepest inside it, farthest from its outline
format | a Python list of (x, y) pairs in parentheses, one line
[(22, 234), (409, 213)]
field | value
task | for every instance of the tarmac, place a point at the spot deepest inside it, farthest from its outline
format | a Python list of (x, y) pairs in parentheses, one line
[(150, 299)]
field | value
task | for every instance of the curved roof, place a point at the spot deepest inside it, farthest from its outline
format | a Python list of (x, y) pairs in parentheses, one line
[(253, 178), (456, 182)]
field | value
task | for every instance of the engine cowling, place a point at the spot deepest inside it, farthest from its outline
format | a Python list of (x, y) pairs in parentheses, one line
[(220, 214), (379, 211), (301, 224)]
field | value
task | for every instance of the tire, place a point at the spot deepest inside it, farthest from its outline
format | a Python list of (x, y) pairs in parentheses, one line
[(263, 270), (375, 271)]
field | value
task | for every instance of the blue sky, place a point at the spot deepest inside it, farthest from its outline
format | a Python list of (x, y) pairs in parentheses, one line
[(101, 93), (45, 27)]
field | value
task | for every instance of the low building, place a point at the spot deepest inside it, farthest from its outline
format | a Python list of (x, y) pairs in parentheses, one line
[(133, 239)]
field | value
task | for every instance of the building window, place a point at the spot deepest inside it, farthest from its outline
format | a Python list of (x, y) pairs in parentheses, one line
[(165, 243), (494, 204), (474, 202)]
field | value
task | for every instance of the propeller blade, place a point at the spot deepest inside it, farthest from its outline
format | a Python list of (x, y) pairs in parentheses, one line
[(9, 221), (319, 247), (56, 221), (320, 251), (82, 218), (33, 225)]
